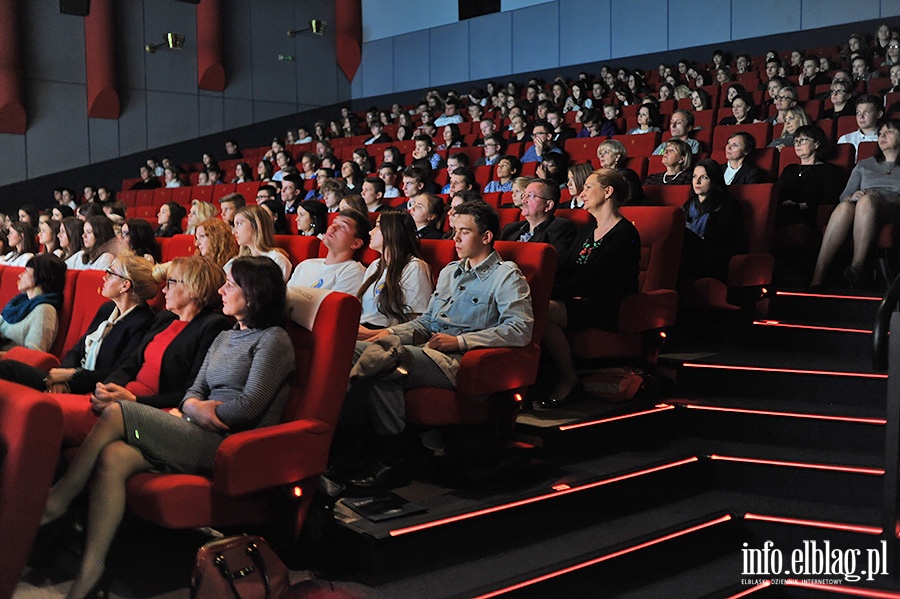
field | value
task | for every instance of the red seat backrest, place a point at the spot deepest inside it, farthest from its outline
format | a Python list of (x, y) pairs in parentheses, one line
[(9, 276), (758, 207), (438, 253), (662, 230), (219, 191), (667, 195), (298, 247), (182, 195), (537, 261), (86, 300), (761, 132), (161, 196), (176, 246), (638, 145), (578, 216), (322, 355)]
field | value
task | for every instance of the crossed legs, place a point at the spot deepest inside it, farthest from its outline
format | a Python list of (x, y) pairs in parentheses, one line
[(112, 462), (557, 345)]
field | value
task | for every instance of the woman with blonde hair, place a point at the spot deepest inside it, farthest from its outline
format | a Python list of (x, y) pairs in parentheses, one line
[(114, 333), (612, 154), (199, 212), (215, 241), (794, 118), (254, 231)]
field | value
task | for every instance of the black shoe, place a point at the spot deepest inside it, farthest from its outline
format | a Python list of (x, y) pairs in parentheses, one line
[(851, 275), (549, 403), (380, 477)]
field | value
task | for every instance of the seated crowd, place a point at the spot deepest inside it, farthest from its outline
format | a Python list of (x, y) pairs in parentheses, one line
[(494, 165)]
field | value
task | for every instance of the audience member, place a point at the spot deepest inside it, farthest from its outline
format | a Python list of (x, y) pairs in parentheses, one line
[(428, 215), (71, 240), (737, 170), (794, 118), (138, 236), (676, 158), (31, 319), (215, 241), (539, 223), (254, 231), (338, 270), (98, 232), (507, 169), (868, 112), (680, 126), (803, 187), (199, 212), (312, 218), (169, 219), (229, 205), (21, 241)]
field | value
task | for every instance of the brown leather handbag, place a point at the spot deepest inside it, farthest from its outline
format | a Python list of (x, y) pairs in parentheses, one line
[(240, 567)]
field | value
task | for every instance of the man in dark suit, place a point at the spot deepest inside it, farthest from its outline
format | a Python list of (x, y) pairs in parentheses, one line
[(378, 136), (540, 225)]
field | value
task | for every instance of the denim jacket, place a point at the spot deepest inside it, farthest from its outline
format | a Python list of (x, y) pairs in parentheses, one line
[(485, 306)]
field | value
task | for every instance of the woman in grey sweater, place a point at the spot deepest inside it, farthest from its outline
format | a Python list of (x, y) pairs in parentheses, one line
[(870, 200), (243, 384)]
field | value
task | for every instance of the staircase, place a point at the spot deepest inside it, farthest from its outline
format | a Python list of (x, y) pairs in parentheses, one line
[(776, 434)]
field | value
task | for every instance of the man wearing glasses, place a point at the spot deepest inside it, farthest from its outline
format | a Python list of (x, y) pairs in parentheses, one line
[(542, 136), (493, 150), (265, 193), (539, 202)]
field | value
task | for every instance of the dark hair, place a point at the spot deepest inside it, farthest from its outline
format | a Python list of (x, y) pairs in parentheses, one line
[(49, 272), (377, 183), (870, 99), (364, 154), (816, 133), (65, 210), (248, 172), (361, 224), (890, 124), (32, 213), (562, 168), (54, 232), (176, 215), (90, 209), (688, 116), (718, 191), (142, 240), (460, 157), (749, 140), (267, 166), (485, 216), (414, 172), (318, 213), (103, 231), (467, 174), (74, 228), (277, 210), (264, 292), (551, 190), (396, 157), (455, 134), (29, 243), (356, 177), (402, 245), (428, 141)]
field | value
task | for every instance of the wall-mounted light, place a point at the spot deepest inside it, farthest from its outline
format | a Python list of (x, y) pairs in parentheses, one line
[(173, 41), (317, 26)]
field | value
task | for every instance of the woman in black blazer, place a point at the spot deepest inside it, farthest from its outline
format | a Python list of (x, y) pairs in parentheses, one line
[(736, 168), (113, 334), (168, 357)]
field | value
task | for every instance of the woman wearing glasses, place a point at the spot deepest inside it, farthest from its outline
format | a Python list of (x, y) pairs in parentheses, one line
[(168, 356), (842, 101), (116, 330), (803, 187), (243, 384), (870, 200)]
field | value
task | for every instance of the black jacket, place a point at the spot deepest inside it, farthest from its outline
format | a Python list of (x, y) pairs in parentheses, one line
[(181, 361), (558, 232)]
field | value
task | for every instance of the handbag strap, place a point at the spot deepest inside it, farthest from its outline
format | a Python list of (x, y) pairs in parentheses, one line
[(253, 552)]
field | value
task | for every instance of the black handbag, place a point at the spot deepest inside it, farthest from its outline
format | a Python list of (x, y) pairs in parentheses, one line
[(242, 567)]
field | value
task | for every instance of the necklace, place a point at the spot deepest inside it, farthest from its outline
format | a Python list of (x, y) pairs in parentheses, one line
[(803, 170), (665, 175), (887, 171)]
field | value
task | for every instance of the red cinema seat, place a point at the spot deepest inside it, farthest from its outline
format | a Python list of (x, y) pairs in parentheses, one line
[(248, 190), (298, 247), (144, 197), (252, 468), (638, 145), (161, 196), (761, 132), (747, 273), (220, 191), (30, 436), (576, 215), (667, 195), (438, 253), (655, 305), (202, 193), (492, 381), (182, 196), (177, 246)]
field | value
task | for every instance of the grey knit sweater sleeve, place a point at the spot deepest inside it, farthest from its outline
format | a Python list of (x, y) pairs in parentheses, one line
[(249, 371)]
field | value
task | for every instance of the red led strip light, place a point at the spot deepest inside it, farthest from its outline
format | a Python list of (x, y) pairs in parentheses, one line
[(844, 590), (564, 491), (857, 420), (808, 327), (806, 465), (604, 558), (860, 528), (861, 375), (655, 410), (751, 590), (867, 298)]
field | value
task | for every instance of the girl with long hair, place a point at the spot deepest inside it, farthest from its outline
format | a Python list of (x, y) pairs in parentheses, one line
[(397, 286), (254, 230)]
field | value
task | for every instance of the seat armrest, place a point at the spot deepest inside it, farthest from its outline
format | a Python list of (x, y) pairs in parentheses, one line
[(750, 270), (492, 370), (648, 311), (32, 357), (267, 457)]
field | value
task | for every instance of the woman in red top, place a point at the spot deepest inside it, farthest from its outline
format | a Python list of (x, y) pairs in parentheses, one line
[(169, 356)]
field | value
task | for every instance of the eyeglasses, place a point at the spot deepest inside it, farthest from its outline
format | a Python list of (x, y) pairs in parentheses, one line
[(111, 273), (802, 140), (171, 282), (536, 133), (532, 196), (263, 198)]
